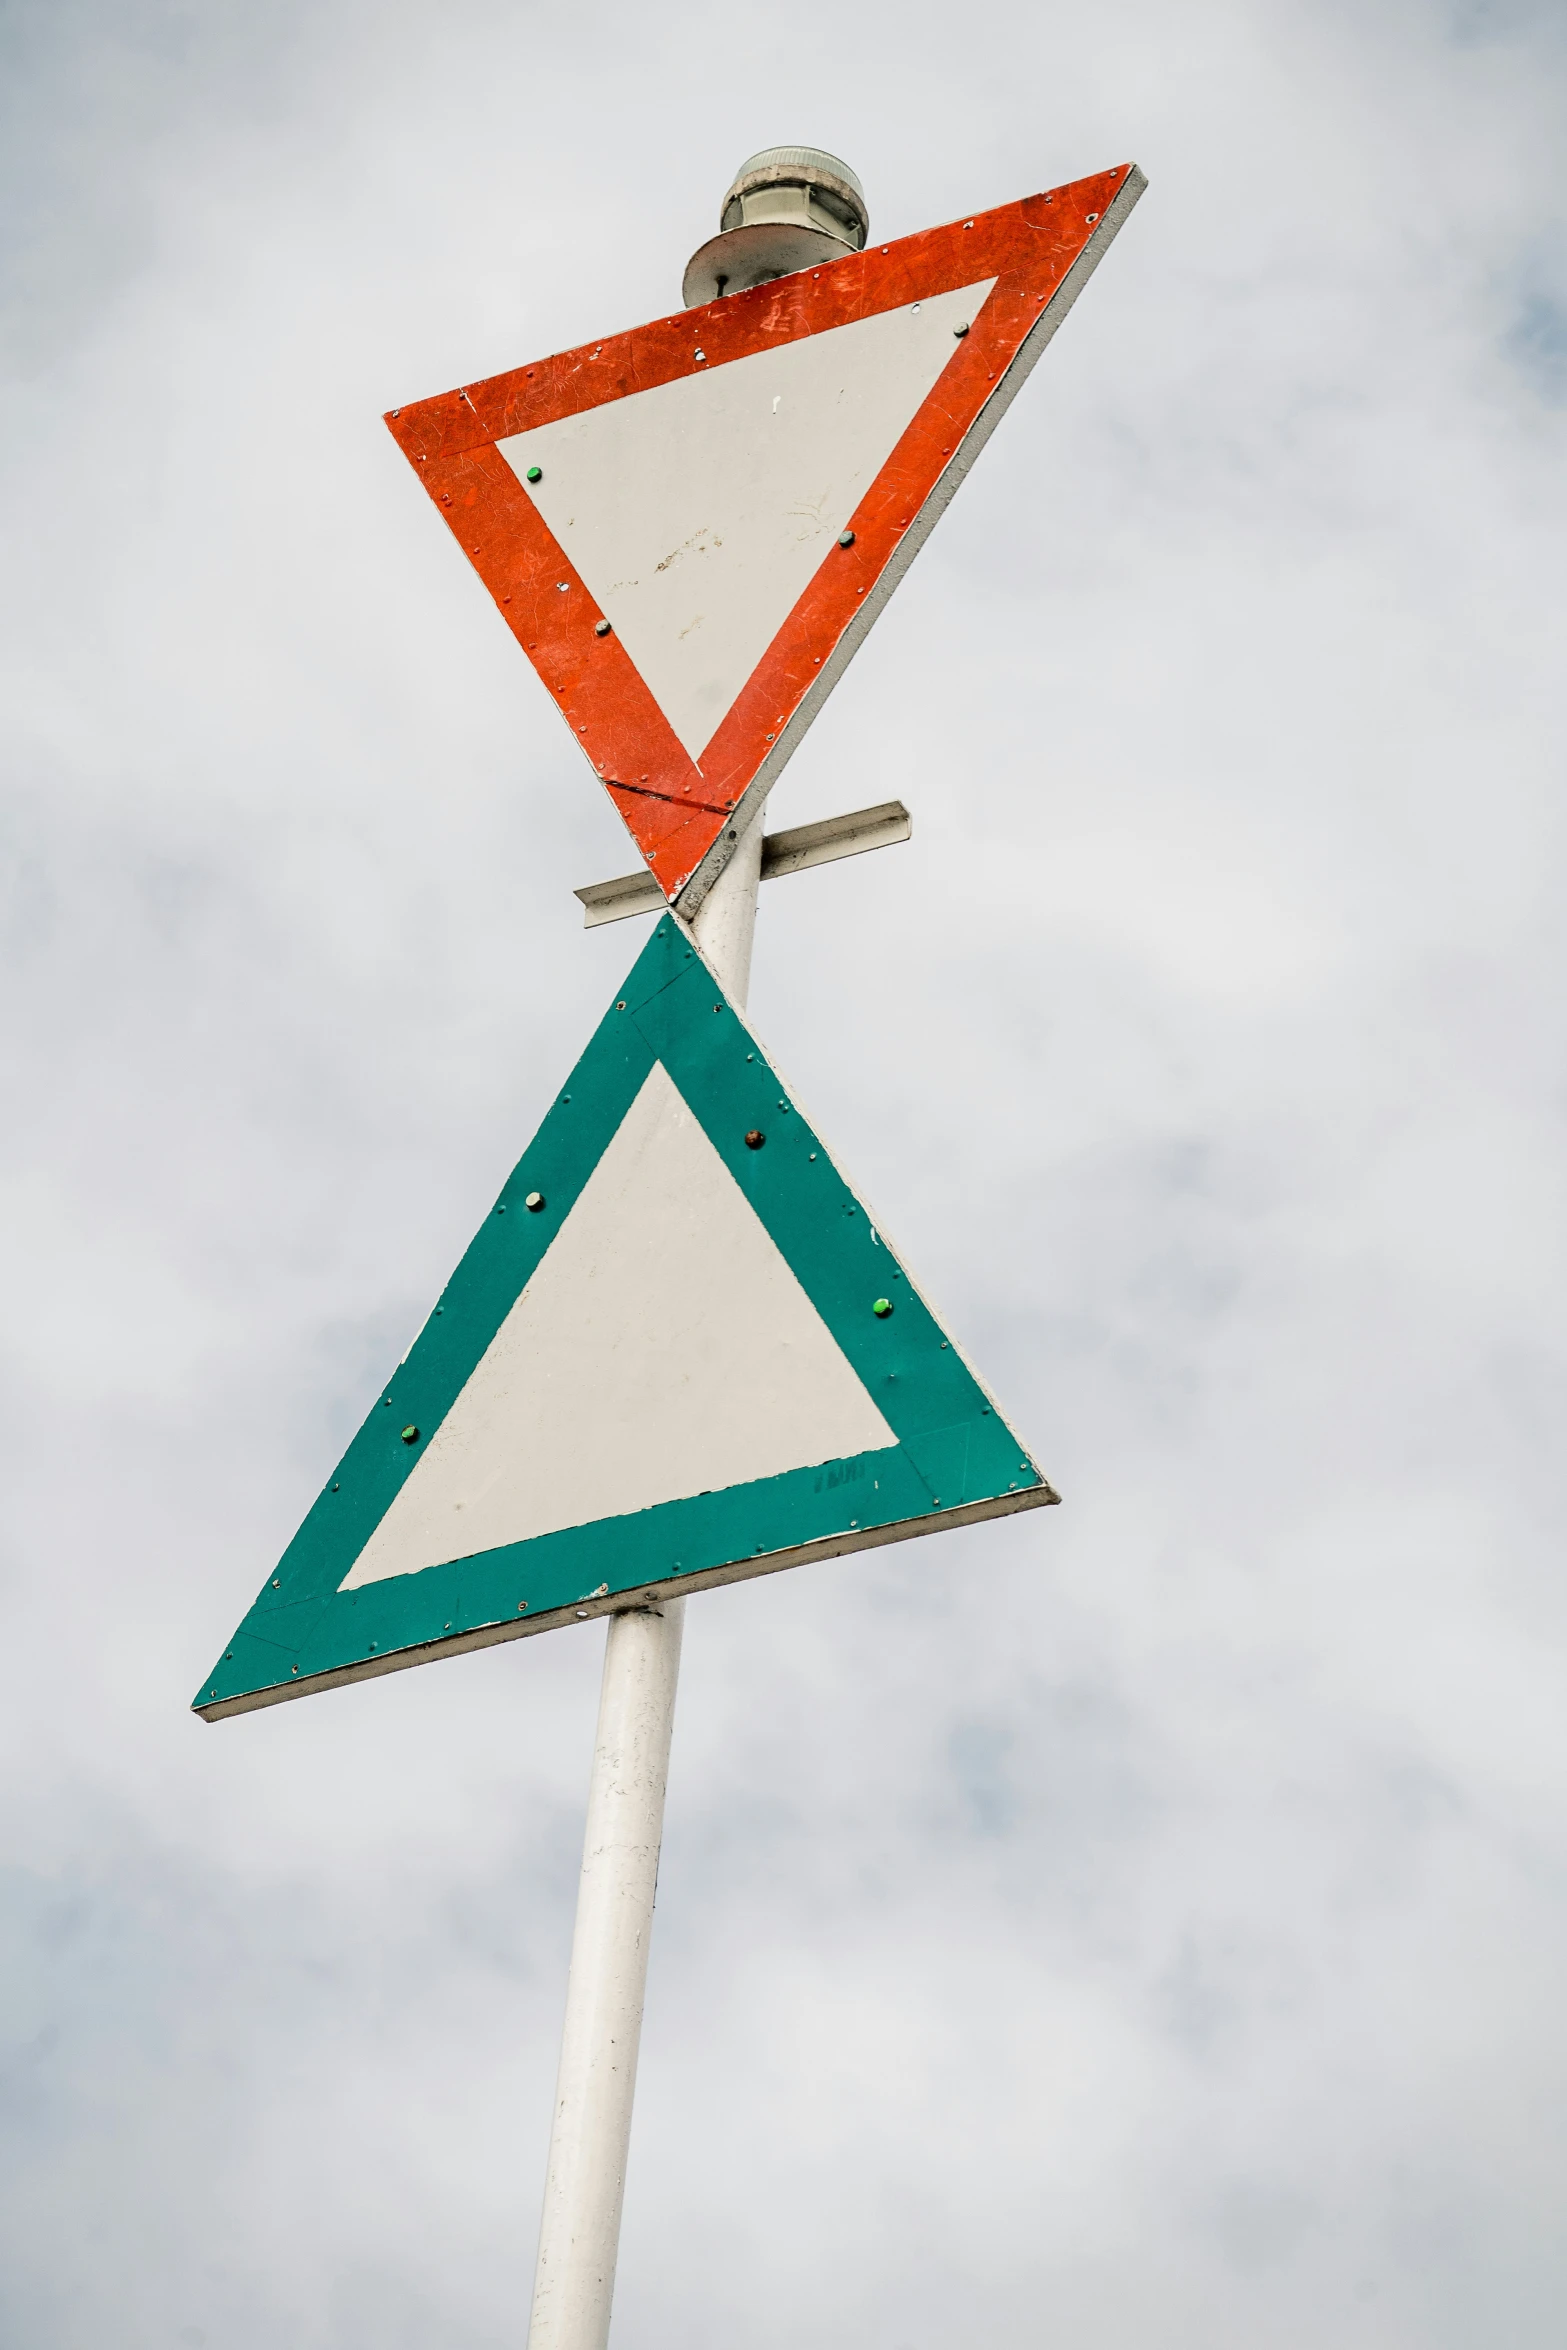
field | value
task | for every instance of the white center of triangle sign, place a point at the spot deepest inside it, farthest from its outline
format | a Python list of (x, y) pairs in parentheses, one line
[(697, 515), (679, 1350)]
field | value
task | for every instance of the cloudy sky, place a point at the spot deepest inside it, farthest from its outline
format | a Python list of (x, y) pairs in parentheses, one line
[(1142, 1924)]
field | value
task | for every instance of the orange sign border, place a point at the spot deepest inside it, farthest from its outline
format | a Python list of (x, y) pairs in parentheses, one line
[(684, 814)]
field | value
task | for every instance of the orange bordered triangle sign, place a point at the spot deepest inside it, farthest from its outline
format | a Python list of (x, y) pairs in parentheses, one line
[(690, 528)]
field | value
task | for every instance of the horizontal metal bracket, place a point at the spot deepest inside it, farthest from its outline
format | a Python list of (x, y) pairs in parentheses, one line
[(795, 851)]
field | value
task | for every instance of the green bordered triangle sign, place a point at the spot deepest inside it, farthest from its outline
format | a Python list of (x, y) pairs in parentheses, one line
[(677, 1353)]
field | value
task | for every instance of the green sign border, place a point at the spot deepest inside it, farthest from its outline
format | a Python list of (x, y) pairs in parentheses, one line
[(955, 1460)]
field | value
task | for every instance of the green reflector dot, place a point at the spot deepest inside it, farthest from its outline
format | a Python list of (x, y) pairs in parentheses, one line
[(882, 1308), (411, 1433), (535, 473)]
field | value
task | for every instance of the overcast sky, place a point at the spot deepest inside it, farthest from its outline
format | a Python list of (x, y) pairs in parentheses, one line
[(1140, 1925)]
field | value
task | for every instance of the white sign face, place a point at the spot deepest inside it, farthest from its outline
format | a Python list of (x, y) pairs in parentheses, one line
[(697, 514), (662, 1348)]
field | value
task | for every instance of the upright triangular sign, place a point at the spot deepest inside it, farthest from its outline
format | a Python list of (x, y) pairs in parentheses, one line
[(691, 527), (678, 1352)]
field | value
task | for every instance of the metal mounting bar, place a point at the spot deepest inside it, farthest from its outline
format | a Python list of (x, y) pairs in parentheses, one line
[(795, 851)]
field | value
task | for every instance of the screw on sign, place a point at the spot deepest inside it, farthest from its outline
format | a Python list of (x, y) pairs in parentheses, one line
[(697, 1293)]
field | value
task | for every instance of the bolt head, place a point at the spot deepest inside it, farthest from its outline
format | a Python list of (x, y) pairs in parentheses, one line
[(534, 1201), (755, 1139)]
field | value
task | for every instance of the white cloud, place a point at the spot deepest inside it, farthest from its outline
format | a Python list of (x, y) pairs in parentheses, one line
[(1141, 1923)]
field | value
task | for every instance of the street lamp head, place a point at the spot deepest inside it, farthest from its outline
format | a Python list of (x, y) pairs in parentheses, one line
[(787, 208)]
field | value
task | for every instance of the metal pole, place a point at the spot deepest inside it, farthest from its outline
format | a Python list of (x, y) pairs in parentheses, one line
[(586, 2181)]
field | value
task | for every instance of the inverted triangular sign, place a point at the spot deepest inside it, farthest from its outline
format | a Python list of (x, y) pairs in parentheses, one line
[(691, 527), (678, 1352)]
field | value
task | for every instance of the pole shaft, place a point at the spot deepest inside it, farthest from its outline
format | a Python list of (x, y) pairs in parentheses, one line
[(591, 2132), (586, 2180)]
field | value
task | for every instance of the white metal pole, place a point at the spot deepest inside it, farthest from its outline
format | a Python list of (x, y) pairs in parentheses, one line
[(598, 2057), (586, 2181)]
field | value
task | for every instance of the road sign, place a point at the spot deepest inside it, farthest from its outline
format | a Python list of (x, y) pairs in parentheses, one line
[(678, 1352), (690, 528)]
